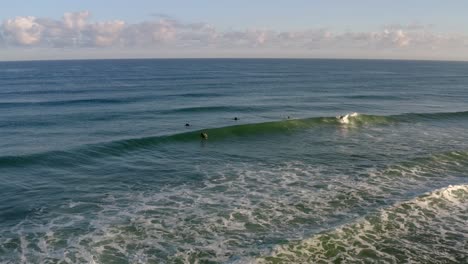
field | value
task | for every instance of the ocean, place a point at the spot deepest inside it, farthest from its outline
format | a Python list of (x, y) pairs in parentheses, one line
[(329, 161)]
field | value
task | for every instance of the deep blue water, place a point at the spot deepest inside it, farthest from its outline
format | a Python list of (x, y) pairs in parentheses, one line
[(97, 165)]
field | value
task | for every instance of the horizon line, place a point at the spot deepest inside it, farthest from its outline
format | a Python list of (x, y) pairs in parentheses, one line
[(237, 58)]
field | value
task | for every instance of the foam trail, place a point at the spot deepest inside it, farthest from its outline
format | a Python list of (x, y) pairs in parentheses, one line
[(394, 235)]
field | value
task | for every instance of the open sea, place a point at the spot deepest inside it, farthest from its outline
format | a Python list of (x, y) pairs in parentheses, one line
[(97, 165)]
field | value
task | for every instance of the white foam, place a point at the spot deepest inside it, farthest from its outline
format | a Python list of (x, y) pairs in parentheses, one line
[(345, 119), (399, 228), (232, 211)]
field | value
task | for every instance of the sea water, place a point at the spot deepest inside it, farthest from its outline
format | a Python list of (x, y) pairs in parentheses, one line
[(342, 161)]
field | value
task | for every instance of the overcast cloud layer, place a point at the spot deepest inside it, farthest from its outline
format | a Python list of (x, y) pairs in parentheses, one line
[(75, 32)]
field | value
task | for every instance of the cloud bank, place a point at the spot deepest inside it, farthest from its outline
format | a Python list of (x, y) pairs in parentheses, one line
[(76, 31)]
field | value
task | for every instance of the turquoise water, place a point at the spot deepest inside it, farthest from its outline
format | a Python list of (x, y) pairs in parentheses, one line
[(97, 165)]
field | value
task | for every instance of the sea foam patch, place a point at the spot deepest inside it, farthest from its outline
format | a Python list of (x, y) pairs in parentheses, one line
[(393, 235), (236, 211)]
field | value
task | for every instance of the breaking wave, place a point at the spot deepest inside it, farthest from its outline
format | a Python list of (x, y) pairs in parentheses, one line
[(289, 126)]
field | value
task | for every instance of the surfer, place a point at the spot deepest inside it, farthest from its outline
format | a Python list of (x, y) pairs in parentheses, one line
[(204, 135), (235, 118), (187, 125)]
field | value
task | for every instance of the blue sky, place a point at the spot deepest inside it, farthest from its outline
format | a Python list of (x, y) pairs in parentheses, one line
[(295, 28)]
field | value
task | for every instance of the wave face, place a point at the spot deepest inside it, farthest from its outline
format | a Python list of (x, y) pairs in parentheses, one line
[(306, 161), (428, 229)]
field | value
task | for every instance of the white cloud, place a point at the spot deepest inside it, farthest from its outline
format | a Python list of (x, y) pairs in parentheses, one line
[(149, 34), (75, 30), (23, 30), (392, 38), (106, 33), (76, 21)]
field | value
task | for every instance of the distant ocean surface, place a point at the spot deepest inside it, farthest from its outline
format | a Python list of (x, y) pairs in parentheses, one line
[(97, 165)]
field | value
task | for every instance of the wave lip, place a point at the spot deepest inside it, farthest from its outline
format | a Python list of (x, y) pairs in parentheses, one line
[(428, 229), (345, 119)]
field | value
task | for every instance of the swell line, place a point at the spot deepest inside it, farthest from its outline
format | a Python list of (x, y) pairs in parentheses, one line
[(120, 147), (65, 102)]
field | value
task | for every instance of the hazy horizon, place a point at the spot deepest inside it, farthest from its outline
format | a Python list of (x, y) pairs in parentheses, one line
[(232, 58)]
